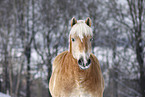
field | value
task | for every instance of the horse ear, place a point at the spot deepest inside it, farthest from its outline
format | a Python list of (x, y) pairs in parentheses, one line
[(73, 21), (88, 22)]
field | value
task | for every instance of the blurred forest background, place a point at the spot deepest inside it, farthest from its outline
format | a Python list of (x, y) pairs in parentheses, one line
[(33, 32)]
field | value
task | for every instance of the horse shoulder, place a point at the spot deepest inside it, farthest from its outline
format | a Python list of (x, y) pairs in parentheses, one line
[(53, 85), (98, 66), (59, 59), (95, 60)]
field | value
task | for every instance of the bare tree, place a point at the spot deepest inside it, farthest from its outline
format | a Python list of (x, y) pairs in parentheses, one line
[(136, 11), (134, 30)]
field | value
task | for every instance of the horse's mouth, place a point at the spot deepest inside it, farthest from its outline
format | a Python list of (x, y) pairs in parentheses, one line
[(84, 67), (84, 64)]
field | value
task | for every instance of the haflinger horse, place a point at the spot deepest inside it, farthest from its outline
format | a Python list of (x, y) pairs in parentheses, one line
[(77, 73)]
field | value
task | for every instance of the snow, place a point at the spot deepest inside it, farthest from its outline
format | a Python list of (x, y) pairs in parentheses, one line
[(4, 95)]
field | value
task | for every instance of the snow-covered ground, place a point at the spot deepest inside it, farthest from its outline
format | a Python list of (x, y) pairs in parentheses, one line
[(4, 95)]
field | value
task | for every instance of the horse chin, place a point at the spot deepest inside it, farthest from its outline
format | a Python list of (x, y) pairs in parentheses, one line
[(84, 67)]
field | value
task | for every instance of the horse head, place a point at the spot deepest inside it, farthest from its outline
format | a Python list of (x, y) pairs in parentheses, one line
[(80, 41)]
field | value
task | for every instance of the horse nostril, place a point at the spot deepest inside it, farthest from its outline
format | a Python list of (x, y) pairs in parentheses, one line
[(80, 61), (89, 61)]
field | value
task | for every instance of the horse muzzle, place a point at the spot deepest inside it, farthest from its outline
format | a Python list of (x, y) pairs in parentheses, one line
[(84, 64)]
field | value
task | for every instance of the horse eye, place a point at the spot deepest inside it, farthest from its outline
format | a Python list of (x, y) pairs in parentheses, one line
[(73, 39), (91, 39)]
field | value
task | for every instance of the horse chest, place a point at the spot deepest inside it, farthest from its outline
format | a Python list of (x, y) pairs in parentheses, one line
[(80, 90), (80, 94)]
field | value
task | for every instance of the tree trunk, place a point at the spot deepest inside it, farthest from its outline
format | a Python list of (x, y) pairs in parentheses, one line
[(28, 56), (115, 71), (28, 53), (6, 76), (48, 78), (136, 12), (115, 93), (18, 80), (139, 53), (0, 86), (10, 78), (139, 47)]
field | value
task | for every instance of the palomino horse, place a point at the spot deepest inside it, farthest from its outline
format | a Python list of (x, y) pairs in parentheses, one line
[(77, 73)]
